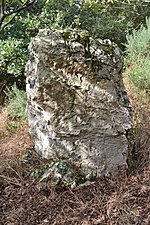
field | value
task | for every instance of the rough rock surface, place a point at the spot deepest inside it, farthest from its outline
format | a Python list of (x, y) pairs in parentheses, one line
[(78, 108)]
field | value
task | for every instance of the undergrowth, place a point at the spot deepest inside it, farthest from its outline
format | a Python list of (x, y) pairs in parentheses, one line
[(16, 104), (138, 57)]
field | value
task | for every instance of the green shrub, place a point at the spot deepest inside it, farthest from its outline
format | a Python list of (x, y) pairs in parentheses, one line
[(138, 55), (140, 75), (138, 43), (17, 103), (13, 54)]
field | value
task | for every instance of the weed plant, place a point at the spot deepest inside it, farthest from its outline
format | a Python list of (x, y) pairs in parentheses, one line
[(138, 43), (138, 57), (17, 103), (140, 74)]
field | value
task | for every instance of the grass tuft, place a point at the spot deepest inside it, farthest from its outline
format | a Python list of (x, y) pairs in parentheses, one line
[(17, 103), (138, 58)]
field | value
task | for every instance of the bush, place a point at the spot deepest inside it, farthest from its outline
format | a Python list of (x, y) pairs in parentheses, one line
[(13, 54), (138, 43), (140, 75), (17, 103), (138, 57)]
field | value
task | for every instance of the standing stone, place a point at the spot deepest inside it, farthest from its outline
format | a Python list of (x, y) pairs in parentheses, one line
[(78, 108)]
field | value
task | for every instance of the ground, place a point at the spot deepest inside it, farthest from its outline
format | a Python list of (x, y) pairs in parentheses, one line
[(24, 200)]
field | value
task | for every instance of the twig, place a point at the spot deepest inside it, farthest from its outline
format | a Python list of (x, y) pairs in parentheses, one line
[(10, 180)]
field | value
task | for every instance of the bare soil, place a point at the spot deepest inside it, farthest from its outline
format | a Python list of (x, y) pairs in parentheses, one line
[(124, 200)]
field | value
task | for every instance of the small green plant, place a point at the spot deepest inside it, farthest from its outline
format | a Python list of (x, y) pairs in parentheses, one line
[(61, 172), (38, 172), (138, 43), (17, 103), (140, 75), (138, 58)]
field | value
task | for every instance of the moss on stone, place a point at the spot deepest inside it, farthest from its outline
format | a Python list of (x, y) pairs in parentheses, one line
[(83, 37), (105, 47)]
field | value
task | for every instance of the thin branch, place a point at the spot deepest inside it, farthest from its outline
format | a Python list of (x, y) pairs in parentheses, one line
[(11, 180), (5, 25), (24, 6), (2, 7), (15, 12), (2, 12)]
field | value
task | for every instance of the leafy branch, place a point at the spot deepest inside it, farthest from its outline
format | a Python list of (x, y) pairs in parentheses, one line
[(14, 11)]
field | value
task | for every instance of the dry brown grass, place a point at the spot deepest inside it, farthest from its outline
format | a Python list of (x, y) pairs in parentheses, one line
[(141, 128), (3, 121), (26, 201)]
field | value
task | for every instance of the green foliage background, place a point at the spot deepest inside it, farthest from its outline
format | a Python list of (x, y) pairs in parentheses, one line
[(113, 19)]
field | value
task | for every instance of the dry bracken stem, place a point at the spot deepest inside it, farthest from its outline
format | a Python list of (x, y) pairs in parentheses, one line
[(14, 171), (10, 180)]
